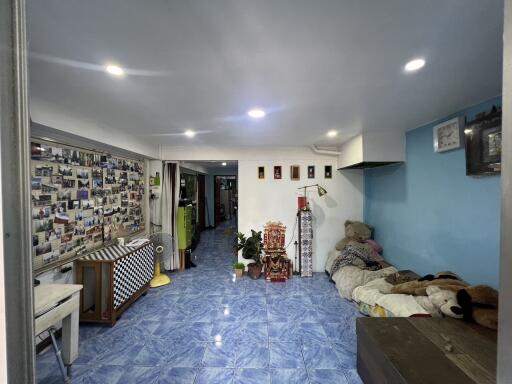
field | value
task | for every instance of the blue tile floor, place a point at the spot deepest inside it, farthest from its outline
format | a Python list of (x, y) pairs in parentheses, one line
[(207, 328)]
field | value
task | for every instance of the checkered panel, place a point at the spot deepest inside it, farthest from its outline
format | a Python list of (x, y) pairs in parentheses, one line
[(306, 243), (132, 272)]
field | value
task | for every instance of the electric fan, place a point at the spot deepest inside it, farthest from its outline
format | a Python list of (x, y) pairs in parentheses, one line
[(163, 247)]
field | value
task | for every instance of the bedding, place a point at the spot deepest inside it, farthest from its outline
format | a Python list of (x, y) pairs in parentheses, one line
[(371, 301), (401, 305), (353, 254), (331, 256), (374, 311), (349, 277), (372, 291)]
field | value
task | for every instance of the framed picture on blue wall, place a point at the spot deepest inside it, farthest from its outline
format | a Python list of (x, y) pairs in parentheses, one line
[(483, 144)]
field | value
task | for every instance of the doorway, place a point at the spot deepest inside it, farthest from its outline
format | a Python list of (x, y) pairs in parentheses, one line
[(225, 199)]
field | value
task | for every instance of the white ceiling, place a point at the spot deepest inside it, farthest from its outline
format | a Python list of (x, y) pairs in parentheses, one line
[(314, 65)]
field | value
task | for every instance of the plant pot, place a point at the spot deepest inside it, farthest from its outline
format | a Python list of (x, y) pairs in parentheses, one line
[(254, 270), (239, 273)]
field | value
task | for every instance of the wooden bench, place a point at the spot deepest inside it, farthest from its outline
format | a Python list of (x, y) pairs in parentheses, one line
[(425, 351)]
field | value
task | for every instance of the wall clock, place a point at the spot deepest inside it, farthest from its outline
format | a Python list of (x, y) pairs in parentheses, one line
[(448, 135)]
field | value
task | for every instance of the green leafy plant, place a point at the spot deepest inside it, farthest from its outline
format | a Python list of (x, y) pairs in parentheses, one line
[(239, 266), (251, 247)]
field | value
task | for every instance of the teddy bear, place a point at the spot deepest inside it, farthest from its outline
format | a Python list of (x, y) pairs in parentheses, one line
[(356, 232), (479, 303), (444, 280), (441, 302)]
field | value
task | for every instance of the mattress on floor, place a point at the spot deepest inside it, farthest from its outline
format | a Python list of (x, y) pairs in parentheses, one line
[(349, 277), (375, 299), (331, 256), (371, 291)]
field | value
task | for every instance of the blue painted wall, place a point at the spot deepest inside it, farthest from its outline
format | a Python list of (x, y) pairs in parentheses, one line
[(429, 216)]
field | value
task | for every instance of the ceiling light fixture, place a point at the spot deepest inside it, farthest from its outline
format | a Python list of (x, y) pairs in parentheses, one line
[(256, 113), (224, 164), (114, 70), (332, 133), (414, 65), (190, 133)]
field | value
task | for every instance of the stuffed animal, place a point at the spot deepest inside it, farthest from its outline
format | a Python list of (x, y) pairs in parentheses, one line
[(479, 303), (355, 232), (445, 280), (445, 301)]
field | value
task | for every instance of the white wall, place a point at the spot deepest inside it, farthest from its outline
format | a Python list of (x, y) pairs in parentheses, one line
[(264, 200), (260, 201), (155, 214), (52, 116)]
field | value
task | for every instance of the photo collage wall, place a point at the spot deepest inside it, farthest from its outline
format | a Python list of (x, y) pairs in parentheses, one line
[(81, 200)]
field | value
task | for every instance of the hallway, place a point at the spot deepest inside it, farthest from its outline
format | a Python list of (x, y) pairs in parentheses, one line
[(207, 328)]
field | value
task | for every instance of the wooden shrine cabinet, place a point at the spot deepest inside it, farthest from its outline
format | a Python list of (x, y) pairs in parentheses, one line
[(113, 278), (277, 266)]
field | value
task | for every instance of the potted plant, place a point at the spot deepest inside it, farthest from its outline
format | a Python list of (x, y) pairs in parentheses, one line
[(252, 248), (239, 269)]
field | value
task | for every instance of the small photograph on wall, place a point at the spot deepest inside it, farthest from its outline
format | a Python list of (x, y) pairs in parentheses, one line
[(36, 183), (56, 179), (82, 195), (82, 174), (311, 172), (43, 248), (328, 172), (42, 225), (63, 195), (35, 150), (261, 172), (295, 172), (44, 171), (65, 170), (41, 213), (278, 172), (61, 218), (68, 183), (51, 257)]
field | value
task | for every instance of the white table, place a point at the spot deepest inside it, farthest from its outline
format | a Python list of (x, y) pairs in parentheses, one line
[(59, 302)]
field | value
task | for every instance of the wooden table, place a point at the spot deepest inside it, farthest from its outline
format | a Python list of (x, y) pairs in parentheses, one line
[(59, 302), (413, 350)]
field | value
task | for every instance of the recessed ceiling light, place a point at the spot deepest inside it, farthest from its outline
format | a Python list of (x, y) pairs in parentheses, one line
[(114, 70), (189, 133), (414, 65), (256, 113), (332, 133), (224, 164)]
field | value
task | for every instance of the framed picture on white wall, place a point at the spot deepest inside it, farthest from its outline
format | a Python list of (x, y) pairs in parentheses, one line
[(328, 172), (261, 172), (311, 171), (295, 172), (278, 172)]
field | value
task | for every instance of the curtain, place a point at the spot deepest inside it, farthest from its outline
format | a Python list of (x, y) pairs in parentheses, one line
[(170, 200)]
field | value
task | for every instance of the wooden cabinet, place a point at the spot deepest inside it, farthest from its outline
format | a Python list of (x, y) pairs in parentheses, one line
[(113, 278)]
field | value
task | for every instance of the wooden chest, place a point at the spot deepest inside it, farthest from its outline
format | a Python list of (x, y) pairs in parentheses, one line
[(425, 350)]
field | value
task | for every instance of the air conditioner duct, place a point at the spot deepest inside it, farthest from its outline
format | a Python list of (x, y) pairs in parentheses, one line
[(372, 149)]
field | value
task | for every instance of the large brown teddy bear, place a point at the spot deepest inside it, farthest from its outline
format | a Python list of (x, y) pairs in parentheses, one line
[(479, 303), (443, 280), (355, 233)]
